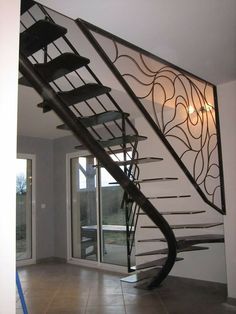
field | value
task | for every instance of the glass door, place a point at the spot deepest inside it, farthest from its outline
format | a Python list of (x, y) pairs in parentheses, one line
[(84, 208), (113, 227), (24, 209), (98, 227)]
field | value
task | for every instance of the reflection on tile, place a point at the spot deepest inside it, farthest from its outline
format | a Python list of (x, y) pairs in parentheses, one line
[(68, 289), (105, 309)]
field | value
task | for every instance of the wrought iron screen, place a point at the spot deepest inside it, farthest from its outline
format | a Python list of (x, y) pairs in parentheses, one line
[(180, 106)]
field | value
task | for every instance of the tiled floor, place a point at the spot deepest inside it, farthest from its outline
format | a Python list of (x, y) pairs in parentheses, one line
[(62, 288)]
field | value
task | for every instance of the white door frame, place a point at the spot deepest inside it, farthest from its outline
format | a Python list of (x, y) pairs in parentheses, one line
[(31, 260)]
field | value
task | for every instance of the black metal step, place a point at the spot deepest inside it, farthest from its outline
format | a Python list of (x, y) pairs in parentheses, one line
[(179, 212), (124, 150), (78, 95), (97, 119), (26, 5), (190, 226), (141, 275), (152, 180), (139, 161), (168, 196), (199, 239), (58, 67), (179, 250), (155, 180), (39, 35), (191, 240), (157, 263), (117, 141)]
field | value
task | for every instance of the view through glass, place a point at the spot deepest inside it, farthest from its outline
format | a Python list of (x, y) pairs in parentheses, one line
[(24, 209)]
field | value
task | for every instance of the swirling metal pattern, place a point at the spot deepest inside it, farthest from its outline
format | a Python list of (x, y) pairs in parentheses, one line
[(183, 109)]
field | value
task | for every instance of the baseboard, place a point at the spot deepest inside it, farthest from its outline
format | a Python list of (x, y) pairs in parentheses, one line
[(51, 259)]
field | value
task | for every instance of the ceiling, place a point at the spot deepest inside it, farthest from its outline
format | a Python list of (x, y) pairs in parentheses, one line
[(198, 36)]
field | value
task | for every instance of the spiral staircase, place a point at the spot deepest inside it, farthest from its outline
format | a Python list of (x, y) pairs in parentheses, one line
[(86, 107)]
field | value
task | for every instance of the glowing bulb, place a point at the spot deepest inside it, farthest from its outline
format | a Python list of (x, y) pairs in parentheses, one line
[(191, 109)]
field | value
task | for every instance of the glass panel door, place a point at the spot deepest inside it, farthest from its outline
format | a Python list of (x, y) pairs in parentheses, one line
[(113, 229), (24, 209), (84, 211)]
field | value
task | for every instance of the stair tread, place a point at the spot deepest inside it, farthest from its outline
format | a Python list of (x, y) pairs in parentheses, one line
[(156, 263), (179, 250), (141, 275), (179, 212), (116, 141), (78, 95), (139, 161), (26, 5), (189, 226), (168, 196), (191, 240), (155, 179), (39, 35), (58, 67), (97, 119)]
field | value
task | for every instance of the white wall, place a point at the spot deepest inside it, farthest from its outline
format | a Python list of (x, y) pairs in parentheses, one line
[(227, 107), (203, 265), (9, 39)]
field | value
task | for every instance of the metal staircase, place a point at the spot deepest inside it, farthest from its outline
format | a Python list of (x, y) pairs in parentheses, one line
[(53, 66)]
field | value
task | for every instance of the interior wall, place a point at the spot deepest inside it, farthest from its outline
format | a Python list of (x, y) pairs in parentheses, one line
[(203, 265), (9, 39), (227, 108), (61, 147), (45, 222)]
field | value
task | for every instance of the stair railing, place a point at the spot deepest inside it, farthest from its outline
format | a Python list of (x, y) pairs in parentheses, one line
[(187, 95)]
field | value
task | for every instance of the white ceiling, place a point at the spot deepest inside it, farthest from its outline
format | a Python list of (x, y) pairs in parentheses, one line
[(196, 35)]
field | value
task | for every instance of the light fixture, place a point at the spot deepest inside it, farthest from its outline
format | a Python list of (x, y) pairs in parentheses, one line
[(205, 108)]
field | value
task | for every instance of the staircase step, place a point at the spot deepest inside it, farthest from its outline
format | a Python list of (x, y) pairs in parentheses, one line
[(191, 240), (98, 119), (139, 161), (124, 150), (116, 141), (155, 180), (190, 226), (199, 239), (78, 95), (179, 212), (26, 5), (179, 250), (141, 275), (157, 263), (39, 35), (168, 196), (58, 67)]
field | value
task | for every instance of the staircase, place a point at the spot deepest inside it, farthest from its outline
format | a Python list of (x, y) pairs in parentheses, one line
[(53, 66)]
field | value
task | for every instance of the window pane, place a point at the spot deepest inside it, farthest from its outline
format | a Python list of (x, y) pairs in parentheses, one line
[(24, 209), (83, 202)]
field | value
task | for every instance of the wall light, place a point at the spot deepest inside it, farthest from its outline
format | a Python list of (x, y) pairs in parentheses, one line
[(205, 108)]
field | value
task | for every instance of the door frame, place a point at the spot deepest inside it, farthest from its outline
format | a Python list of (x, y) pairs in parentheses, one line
[(31, 260)]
